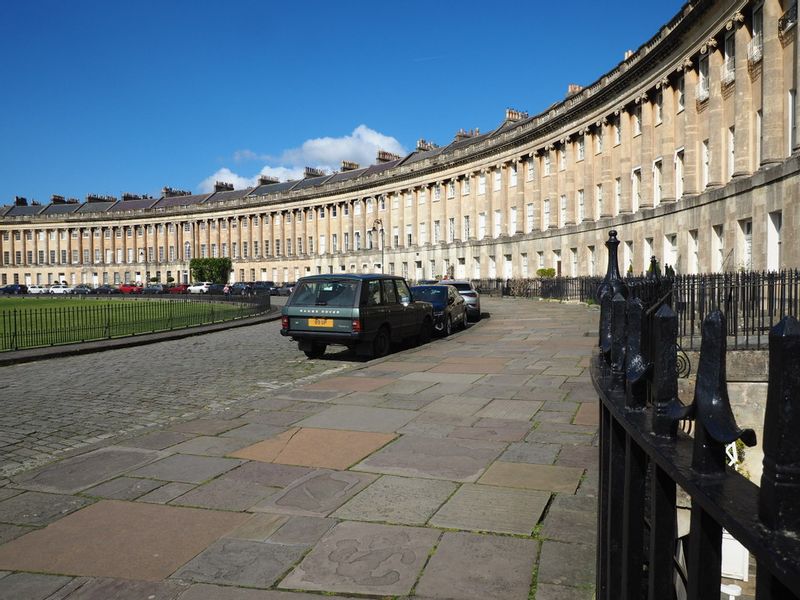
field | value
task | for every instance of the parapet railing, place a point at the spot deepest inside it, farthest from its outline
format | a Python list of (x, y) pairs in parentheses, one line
[(101, 317), (645, 457)]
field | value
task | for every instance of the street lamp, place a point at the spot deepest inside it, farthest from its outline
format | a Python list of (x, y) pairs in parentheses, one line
[(377, 227)]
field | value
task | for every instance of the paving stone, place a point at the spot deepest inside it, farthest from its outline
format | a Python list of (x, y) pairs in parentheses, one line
[(305, 394), (208, 426), (468, 566), (80, 472), (523, 452), (570, 428), (539, 436), (539, 394), (302, 531), (546, 591), (30, 586), (273, 417), (326, 448), (349, 384), (405, 366), (584, 457), (364, 558), (504, 379), (359, 399), (241, 563), (37, 509), (404, 402), (588, 414), (551, 416), (508, 431), (206, 445), (254, 431), (123, 488), (360, 418), (491, 391), (166, 492), (317, 494), (258, 527), (11, 532), (269, 474), (455, 367), (457, 378), (456, 405), (510, 409), (226, 494), (435, 430), (531, 476), (158, 440), (476, 360), (571, 519), (186, 468), (401, 500), (157, 540), (432, 458), (204, 591), (490, 508), (567, 564), (122, 589), (6, 493)]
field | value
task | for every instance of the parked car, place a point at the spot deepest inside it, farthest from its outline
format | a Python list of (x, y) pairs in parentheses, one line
[(449, 307), (14, 288), (105, 290), (131, 288), (241, 289), (199, 287), (37, 289), (217, 289), (470, 295), (285, 289), (82, 288), (154, 288), (363, 312), (61, 288), (180, 288), (261, 288)]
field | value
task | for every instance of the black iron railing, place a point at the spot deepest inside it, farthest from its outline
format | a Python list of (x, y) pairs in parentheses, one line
[(96, 318), (645, 457)]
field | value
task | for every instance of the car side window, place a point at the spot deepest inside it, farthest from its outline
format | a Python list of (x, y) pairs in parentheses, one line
[(373, 292), (403, 291), (389, 294)]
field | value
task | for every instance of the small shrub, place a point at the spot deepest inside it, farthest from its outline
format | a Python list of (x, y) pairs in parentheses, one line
[(546, 272)]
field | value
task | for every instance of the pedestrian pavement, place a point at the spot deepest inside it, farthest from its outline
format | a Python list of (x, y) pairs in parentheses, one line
[(462, 469)]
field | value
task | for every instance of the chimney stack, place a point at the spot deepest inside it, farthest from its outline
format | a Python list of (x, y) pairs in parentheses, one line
[(267, 180), (130, 196), (312, 172), (513, 115), (221, 186), (465, 134), (20, 201), (385, 157), (98, 198), (169, 192), (348, 165), (424, 145), (628, 54), (573, 88), (56, 199)]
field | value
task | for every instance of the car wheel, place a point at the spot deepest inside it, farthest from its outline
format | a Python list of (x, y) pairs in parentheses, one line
[(448, 327), (316, 350), (380, 345), (425, 332)]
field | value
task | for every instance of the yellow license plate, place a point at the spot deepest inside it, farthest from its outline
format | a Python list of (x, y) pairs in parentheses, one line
[(320, 322)]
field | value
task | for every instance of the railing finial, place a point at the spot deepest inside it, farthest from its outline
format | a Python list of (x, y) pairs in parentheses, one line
[(612, 283), (654, 272), (716, 425), (780, 481), (667, 408)]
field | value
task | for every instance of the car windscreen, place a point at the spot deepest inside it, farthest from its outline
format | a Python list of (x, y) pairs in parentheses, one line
[(462, 287), (325, 293), (429, 294)]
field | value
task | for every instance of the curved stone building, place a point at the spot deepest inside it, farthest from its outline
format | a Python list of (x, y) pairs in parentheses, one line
[(688, 148)]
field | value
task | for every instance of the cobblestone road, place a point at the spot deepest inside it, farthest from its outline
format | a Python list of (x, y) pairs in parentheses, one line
[(53, 406)]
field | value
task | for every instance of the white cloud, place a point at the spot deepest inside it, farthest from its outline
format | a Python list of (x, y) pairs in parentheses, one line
[(325, 153)]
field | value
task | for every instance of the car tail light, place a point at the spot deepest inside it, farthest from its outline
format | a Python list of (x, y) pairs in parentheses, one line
[(356, 326), (284, 322)]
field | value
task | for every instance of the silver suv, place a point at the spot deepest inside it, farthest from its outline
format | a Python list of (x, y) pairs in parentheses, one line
[(470, 295)]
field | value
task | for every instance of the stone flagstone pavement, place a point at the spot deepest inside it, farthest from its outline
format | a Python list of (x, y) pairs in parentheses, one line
[(464, 469)]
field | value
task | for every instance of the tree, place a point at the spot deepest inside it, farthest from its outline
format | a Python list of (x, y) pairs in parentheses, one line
[(211, 269)]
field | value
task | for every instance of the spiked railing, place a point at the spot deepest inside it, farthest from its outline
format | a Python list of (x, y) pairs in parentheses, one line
[(644, 457)]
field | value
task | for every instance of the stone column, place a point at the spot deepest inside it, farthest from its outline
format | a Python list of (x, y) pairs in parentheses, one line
[(647, 188), (772, 129), (667, 134), (690, 148), (716, 137), (742, 102)]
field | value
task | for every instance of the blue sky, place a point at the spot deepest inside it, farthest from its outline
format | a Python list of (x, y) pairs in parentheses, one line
[(104, 97)]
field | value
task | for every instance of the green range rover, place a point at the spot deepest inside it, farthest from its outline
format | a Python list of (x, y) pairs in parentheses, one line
[(366, 313)]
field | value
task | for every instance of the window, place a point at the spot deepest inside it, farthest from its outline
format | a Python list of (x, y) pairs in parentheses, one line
[(321, 212), (670, 249), (562, 158), (498, 182), (746, 227), (409, 236), (636, 189), (529, 217), (246, 254), (573, 259), (322, 247), (647, 253), (598, 140), (481, 184), (717, 248), (422, 196), (592, 260), (702, 78), (731, 152), (512, 220), (581, 207), (705, 157), (524, 260), (658, 107), (334, 211), (637, 120), (357, 207), (395, 236), (409, 199), (465, 186), (437, 193), (546, 217), (334, 243), (357, 240), (466, 227), (728, 71), (423, 232), (451, 189), (346, 246), (618, 131), (299, 245), (369, 205), (395, 202), (498, 223), (437, 232), (512, 176), (598, 200), (617, 195), (547, 163), (476, 267), (657, 185), (562, 211), (759, 141), (481, 226), (540, 260), (754, 50), (693, 262), (581, 149), (679, 173), (187, 252), (679, 93), (451, 229), (774, 223)]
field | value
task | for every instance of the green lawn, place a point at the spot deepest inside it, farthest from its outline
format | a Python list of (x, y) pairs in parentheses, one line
[(30, 322)]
